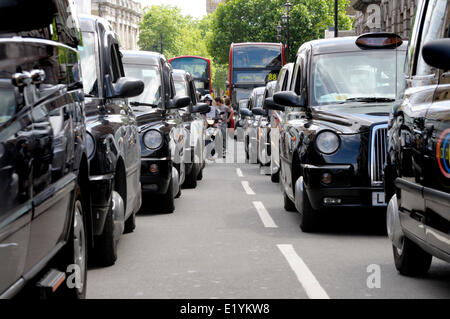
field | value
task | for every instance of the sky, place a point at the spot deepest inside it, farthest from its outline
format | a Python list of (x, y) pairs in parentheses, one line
[(195, 8)]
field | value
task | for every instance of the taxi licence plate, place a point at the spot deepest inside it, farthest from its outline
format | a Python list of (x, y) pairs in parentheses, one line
[(378, 199)]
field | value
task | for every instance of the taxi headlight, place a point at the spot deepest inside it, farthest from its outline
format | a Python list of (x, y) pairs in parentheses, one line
[(90, 145), (153, 139), (327, 142)]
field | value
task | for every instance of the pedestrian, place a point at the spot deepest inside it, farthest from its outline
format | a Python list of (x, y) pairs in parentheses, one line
[(213, 113), (224, 115), (230, 120)]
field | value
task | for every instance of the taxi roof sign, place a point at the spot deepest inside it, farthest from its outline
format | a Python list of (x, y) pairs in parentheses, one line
[(379, 40)]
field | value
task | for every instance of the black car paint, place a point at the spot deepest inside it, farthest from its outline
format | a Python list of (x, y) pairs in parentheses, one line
[(191, 121), (415, 173), (42, 148), (352, 122), (115, 163), (164, 120)]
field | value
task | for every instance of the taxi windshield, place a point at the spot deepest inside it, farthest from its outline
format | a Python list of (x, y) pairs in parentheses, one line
[(180, 87), (151, 77), (365, 76)]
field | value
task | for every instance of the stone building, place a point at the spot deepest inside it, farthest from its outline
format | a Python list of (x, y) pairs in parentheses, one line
[(211, 5), (124, 17), (384, 15)]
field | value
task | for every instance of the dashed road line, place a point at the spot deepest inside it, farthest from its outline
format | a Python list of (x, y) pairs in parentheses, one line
[(239, 172), (264, 215), (306, 278), (247, 188)]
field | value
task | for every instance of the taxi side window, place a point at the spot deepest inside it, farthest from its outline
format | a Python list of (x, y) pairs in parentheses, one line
[(285, 81), (299, 74), (116, 66), (280, 81), (435, 27)]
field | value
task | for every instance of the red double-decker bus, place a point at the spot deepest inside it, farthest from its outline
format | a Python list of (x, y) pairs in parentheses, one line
[(198, 67), (252, 65)]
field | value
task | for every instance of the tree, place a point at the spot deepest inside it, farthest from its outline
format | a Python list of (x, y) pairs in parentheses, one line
[(256, 21), (161, 21)]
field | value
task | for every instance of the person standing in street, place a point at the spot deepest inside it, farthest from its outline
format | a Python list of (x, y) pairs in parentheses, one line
[(224, 114)]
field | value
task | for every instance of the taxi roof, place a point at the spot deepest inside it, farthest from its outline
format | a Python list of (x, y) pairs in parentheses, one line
[(344, 44), (142, 57)]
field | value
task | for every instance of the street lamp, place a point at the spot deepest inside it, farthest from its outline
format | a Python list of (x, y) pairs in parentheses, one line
[(279, 28), (285, 18)]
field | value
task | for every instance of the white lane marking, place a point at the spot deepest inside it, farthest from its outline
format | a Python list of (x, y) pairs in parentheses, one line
[(239, 172), (264, 215), (306, 278), (247, 188)]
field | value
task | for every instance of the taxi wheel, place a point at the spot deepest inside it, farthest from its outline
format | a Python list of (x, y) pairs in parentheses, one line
[(166, 201), (308, 217), (191, 179), (75, 254), (200, 175), (130, 224), (275, 177), (106, 250), (288, 204), (410, 259)]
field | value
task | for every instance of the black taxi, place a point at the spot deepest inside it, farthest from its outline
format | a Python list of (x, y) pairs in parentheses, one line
[(45, 217), (333, 153), (418, 165), (161, 131)]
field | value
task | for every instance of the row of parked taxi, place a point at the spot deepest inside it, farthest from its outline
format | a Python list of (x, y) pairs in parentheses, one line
[(350, 124), (87, 133)]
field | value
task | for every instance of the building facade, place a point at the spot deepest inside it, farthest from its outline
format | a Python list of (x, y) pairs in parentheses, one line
[(384, 15), (124, 17), (211, 5)]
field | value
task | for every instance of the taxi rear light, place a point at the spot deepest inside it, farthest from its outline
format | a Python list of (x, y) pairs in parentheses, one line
[(379, 40)]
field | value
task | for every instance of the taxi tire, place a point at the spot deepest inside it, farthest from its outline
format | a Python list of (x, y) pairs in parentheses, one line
[(200, 175), (275, 177), (191, 179), (308, 216), (106, 248), (66, 256), (412, 260), (288, 204), (166, 201), (130, 224)]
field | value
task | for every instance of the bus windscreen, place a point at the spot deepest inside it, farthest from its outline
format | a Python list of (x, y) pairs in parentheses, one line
[(257, 57), (198, 68)]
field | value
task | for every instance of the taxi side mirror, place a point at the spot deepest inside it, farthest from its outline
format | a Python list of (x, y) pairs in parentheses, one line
[(289, 98), (437, 54), (269, 104)]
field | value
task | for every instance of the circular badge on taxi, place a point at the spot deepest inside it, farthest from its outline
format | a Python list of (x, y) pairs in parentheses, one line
[(443, 153)]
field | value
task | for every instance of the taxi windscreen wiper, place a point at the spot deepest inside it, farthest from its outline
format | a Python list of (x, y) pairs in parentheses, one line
[(142, 104), (370, 99)]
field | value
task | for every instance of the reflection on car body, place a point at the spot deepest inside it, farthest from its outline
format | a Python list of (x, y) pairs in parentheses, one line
[(333, 154), (162, 135)]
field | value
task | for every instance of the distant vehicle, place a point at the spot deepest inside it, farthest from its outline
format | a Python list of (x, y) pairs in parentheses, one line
[(250, 124), (333, 154), (264, 130), (112, 139), (277, 118), (252, 65), (195, 125), (417, 173), (162, 134), (45, 218), (199, 68)]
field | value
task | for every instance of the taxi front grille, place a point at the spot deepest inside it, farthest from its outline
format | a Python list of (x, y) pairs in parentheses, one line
[(378, 154)]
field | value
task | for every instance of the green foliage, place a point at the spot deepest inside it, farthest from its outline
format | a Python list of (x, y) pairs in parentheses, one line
[(256, 21), (235, 21)]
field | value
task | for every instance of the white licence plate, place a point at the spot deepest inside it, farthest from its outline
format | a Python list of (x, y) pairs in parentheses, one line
[(378, 199)]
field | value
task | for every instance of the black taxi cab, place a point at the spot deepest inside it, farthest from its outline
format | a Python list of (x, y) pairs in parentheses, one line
[(332, 154), (161, 132), (418, 165), (45, 217)]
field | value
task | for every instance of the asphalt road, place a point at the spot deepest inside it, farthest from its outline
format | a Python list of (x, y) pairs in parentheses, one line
[(231, 238)]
